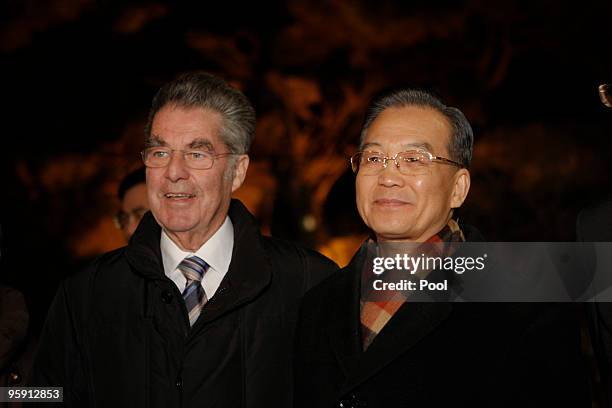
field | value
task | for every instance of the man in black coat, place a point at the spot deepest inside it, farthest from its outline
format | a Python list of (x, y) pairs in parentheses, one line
[(594, 224), (199, 309), (353, 350)]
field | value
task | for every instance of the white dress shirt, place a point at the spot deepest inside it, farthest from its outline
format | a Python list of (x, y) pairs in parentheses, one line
[(216, 252)]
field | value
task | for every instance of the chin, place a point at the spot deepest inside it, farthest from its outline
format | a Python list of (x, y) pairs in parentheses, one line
[(387, 234), (179, 228), (177, 223), (396, 225)]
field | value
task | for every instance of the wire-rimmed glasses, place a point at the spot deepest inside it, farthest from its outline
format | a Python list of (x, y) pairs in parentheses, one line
[(196, 159), (411, 162)]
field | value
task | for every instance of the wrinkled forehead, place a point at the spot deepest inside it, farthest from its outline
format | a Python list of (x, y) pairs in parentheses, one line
[(381, 146), (185, 128), (409, 128)]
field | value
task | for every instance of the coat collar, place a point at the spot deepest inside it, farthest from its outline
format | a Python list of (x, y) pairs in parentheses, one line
[(250, 270), (411, 324), (143, 252)]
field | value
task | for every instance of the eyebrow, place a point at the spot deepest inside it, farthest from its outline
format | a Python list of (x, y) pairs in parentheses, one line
[(409, 146), (201, 143), (423, 145), (156, 141)]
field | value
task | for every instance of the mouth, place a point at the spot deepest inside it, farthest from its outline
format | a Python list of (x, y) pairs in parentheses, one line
[(179, 196), (390, 202)]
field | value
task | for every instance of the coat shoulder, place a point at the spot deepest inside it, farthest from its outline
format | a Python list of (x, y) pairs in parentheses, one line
[(292, 253), (594, 223), (103, 270), (298, 262), (328, 291)]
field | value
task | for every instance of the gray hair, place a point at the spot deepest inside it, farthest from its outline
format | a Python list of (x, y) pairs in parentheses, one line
[(461, 138), (203, 90)]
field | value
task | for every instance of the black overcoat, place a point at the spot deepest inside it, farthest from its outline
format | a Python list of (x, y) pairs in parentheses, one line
[(118, 335), (436, 354)]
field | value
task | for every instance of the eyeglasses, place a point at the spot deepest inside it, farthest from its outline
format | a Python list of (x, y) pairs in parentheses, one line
[(412, 162), (194, 159), (605, 94), (122, 219)]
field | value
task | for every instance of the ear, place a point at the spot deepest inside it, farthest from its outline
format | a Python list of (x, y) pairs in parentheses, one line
[(240, 171), (461, 188)]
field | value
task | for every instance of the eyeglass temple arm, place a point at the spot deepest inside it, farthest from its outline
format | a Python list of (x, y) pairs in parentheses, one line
[(444, 159), (604, 95)]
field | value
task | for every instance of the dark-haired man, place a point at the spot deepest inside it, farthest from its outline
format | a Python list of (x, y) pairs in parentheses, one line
[(200, 308), (359, 349)]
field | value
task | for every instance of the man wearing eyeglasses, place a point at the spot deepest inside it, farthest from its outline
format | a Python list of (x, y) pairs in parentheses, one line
[(199, 309), (411, 194), (354, 349)]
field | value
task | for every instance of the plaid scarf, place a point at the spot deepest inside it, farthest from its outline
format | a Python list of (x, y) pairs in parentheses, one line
[(376, 314)]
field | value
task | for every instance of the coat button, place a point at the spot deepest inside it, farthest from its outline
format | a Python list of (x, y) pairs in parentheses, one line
[(179, 383), (166, 296)]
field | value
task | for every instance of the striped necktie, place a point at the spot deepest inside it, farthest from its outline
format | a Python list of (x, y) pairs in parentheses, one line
[(195, 298)]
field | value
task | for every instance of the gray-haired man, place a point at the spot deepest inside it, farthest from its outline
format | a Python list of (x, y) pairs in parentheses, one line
[(199, 308)]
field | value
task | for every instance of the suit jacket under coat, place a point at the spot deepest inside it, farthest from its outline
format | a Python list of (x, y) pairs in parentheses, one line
[(118, 335), (436, 354)]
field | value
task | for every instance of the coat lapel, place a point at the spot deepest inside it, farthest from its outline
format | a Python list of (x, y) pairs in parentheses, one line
[(143, 252), (250, 270), (343, 323), (410, 325)]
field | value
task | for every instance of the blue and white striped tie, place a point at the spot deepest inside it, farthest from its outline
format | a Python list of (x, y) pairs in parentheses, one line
[(195, 298)]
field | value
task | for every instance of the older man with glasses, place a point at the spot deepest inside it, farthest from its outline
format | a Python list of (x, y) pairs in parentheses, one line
[(199, 309), (358, 348)]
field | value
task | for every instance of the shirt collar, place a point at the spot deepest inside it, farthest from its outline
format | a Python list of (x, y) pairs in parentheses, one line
[(217, 251)]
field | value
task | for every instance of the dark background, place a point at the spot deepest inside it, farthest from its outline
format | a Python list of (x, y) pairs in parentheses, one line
[(78, 77)]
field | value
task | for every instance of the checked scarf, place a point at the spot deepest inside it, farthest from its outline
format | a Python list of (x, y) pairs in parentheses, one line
[(375, 314)]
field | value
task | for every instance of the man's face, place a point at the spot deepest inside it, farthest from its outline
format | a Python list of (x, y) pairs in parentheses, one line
[(191, 204), (409, 207), (133, 206)]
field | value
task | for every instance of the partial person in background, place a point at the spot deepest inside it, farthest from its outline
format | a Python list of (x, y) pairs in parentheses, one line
[(132, 194), (594, 224), (13, 329)]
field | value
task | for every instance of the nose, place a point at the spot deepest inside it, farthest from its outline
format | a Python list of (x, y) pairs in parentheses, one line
[(177, 168), (390, 175)]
